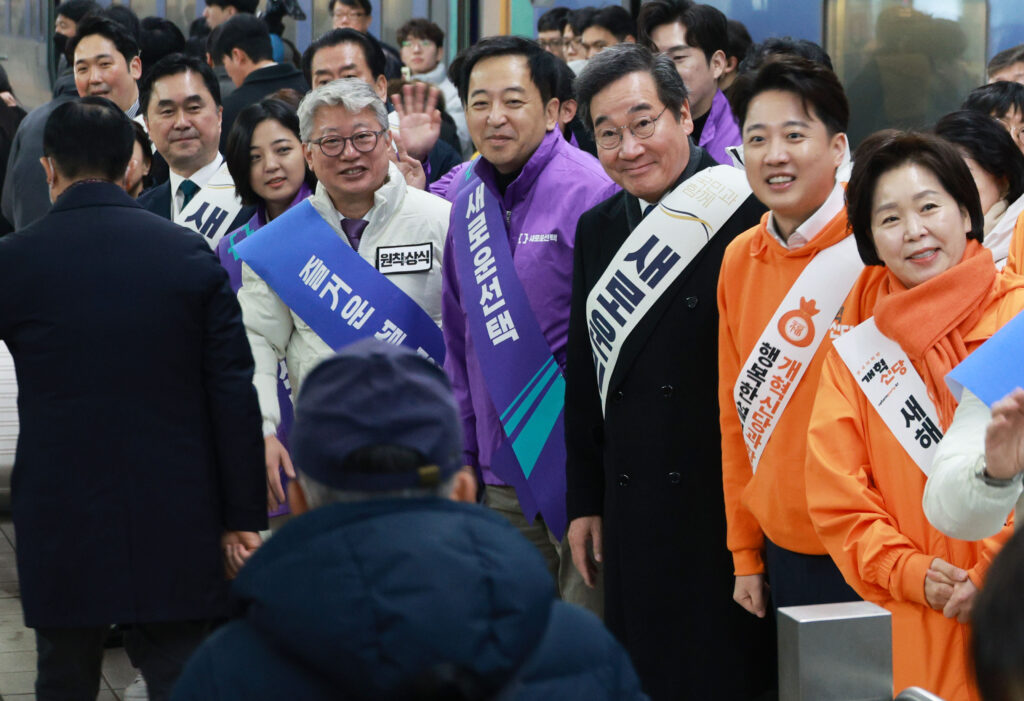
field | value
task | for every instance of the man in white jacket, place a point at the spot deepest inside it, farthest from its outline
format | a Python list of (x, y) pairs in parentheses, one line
[(421, 43), (364, 199), (976, 476)]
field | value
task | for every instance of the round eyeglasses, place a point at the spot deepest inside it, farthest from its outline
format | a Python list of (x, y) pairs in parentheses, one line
[(641, 128), (362, 141)]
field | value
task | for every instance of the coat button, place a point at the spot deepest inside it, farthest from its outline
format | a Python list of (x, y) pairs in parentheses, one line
[(617, 396), (623, 480), (666, 391), (674, 478), (691, 302)]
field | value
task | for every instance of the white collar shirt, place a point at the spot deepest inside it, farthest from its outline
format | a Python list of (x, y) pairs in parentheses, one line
[(804, 233), (200, 178)]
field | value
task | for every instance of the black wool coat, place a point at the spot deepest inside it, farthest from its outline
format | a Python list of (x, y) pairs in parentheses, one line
[(651, 467), (141, 438)]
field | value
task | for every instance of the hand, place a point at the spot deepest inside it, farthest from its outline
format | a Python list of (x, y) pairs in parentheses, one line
[(276, 458), (238, 547), (961, 601), (412, 169), (750, 593), (8, 99), (584, 535), (419, 120), (939, 582), (1004, 437)]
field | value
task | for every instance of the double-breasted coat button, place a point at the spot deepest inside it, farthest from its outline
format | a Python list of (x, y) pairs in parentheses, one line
[(691, 302), (617, 396), (667, 390), (623, 480), (674, 478)]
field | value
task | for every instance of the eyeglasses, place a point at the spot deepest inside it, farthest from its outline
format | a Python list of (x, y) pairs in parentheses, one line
[(420, 43), (551, 43), (575, 41), (641, 128), (348, 14), (362, 141)]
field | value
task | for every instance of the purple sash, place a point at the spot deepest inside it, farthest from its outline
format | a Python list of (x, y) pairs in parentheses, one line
[(523, 379)]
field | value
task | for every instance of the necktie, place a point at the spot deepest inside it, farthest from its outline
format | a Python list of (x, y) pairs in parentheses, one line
[(353, 229), (189, 190), (648, 209)]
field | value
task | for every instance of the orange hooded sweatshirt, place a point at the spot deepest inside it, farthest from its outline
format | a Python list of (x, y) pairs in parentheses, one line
[(757, 273), (864, 493), (1016, 259)]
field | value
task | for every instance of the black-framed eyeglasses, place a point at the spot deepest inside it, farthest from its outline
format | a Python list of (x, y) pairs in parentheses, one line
[(362, 141), (641, 128)]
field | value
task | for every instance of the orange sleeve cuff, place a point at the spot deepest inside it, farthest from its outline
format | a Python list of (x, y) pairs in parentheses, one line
[(912, 578), (746, 562)]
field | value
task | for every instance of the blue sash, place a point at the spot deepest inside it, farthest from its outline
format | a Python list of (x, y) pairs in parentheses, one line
[(329, 286), (523, 380)]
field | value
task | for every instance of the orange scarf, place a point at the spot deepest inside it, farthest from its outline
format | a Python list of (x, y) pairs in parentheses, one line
[(930, 320)]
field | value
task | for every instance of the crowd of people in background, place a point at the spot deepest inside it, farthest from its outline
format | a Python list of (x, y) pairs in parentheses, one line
[(553, 370)]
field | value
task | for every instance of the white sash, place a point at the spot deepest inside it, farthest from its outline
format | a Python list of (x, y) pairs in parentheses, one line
[(213, 208), (770, 375), (891, 383), (654, 255)]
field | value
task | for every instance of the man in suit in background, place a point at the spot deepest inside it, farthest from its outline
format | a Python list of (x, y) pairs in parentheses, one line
[(139, 472), (642, 440), (181, 102)]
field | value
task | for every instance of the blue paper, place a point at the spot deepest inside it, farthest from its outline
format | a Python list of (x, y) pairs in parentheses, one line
[(996, 368)]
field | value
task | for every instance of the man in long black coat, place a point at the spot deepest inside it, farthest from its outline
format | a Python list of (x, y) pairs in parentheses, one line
[(140, 460), (644, 474)]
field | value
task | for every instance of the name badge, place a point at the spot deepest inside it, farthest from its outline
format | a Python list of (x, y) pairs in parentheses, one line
[(413, 258)]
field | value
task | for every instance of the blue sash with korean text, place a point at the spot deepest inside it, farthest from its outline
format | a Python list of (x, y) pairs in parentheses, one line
[(329, 286), (523, 379)]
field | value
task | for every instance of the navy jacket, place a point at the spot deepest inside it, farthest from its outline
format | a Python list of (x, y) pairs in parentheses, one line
[(141, 437), (360, 601)]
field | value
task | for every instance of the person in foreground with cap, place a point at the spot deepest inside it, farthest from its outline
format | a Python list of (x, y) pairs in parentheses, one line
[(385, 585)]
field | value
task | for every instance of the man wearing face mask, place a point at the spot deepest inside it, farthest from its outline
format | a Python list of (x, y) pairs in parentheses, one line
[(65, 27)]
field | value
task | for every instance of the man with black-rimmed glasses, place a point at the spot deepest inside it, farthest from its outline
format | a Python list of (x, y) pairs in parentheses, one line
[(367, 251)]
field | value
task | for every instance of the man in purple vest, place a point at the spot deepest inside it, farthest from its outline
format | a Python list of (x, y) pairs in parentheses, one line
[(537, 185), (696, 38)]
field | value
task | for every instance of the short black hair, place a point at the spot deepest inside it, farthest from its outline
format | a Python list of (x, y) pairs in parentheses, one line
[(579, 19), (986, 142), (240, 140), (758, 53), (107, 28), (566, 87), (245, 6), (617, 20), (174, 64), (75, 10), (542, 65), (363, 5), (246, 32), (1005, 59), (815, 85), (123, 15), (142, 139), (89, 136), (707, 28), (420, 28), (889, 149), (160, 37), (372, 51), (997, 626), (554, 20), (997, 99), (739, 40), (619, 61)]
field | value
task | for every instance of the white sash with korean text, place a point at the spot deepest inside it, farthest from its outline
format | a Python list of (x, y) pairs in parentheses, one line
[(894, 388), (770, 375), (654, 255), (213, 208)]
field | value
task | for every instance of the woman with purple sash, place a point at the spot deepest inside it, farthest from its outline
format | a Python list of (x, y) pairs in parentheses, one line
[(264, 155)]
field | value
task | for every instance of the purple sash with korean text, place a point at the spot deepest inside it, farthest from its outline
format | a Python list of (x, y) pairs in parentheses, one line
[(328, 285), (523, 379)]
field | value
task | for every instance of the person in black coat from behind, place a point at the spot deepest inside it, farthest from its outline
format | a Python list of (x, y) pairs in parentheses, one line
[(644, 471), (138, 481)]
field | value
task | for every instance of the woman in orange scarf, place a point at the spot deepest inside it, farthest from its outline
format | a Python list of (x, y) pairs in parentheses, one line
[(914, 209)]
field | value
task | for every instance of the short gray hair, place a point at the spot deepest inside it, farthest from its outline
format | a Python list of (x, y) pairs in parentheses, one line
[(318, 494), (351, 93), (619, 61)]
